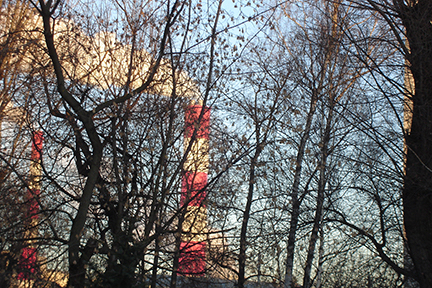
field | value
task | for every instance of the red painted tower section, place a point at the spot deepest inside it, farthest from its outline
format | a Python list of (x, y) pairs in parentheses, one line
[(28, 259), (192, 261)]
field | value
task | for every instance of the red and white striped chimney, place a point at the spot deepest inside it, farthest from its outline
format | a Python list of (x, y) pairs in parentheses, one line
[(27, 262), (192, 261)]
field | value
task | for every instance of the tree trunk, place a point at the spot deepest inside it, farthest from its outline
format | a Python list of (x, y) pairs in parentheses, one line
[(173, 281), (417, 191), (155, 260), (320, 197), (289, 263), (320, 259), (246, 215)]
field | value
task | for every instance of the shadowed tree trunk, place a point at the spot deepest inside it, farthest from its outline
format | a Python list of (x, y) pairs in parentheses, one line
[(417, 191)]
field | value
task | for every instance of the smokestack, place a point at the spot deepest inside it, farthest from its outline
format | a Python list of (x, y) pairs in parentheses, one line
[(192, 261), (27, 262)]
